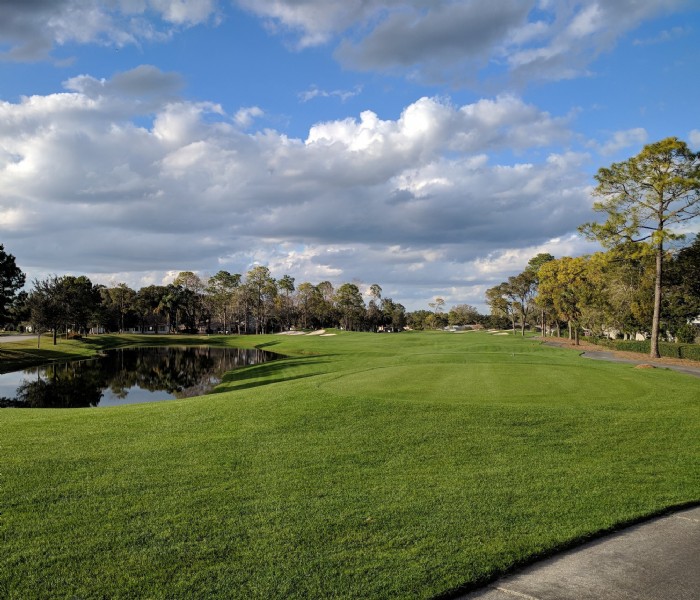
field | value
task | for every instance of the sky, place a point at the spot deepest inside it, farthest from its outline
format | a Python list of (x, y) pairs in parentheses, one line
[(429, 146)]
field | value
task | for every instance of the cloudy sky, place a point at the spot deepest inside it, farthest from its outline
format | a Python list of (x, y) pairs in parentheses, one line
[(429, 146)]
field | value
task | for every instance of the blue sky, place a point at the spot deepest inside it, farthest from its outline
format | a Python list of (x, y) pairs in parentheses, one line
[(429, 146)]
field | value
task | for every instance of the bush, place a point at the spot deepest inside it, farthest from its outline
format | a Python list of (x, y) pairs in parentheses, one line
[(667, 349), (686, 334)]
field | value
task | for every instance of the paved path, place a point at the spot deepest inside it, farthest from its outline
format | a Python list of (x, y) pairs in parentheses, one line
[(602, 355), (6, 339), (689, 369), (655, 560)]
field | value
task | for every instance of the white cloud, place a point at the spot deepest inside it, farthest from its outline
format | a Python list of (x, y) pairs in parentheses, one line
[(663, 36), (409, 202), (450, 40), (440, 40), (246, 116), (32, 29), (314, 92), (694, 138), (623, 139)]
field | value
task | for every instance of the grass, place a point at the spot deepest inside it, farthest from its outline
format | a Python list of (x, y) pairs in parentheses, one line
[(362, 466)]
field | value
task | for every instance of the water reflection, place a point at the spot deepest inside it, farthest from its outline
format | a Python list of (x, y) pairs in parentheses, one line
[(125, 376)]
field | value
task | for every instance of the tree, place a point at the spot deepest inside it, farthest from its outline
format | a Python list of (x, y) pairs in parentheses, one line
[(463, 314), (221, 289), (520, 289), (393, 314), (498, 299), (533, 267), (263, 290), (286, 285), (568, 285), (682, 298), (350, 306), (47, 305), (190, 292), (437, 305), (122, 298), (643, 198), (417, 319), (82, 300), (11, 280), (149, 302)]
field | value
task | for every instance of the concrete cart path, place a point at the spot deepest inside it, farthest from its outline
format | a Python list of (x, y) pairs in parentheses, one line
[(654, 560), (602, 355), (689, 369), (6, 339)]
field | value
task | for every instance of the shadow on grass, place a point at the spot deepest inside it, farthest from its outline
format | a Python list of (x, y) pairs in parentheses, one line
[(266, 344), (272, 372)]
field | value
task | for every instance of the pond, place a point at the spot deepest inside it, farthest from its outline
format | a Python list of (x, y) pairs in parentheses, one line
[(125, 376)]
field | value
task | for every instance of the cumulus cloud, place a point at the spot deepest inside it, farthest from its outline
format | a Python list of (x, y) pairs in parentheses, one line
[(439, 40), (30, 29), (454, 40), (572, 34), (406, 202), (447, 33)]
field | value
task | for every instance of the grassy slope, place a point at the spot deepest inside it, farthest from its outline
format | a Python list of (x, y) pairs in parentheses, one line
[(370, 466)]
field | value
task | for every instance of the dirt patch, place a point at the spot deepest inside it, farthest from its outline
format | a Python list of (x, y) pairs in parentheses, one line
[(645, 366)]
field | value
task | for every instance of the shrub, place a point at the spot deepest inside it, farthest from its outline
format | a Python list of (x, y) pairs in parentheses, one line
[(667, 349), (686, 334)]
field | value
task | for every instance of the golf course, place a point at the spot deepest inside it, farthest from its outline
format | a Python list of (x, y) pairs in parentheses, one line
[(359, 465)]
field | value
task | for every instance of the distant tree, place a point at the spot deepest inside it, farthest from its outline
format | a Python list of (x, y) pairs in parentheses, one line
[(82, 301), (499, 299), (307, 298), (326, 313), (350, 305), (47, 306), (437, 305), (393, 314), (190, 299), (122, 298), (149, 302), (263, 290), (220, 292), (286, 286), (570, 285), (463, 314), (644, 197), (416, 319), (533, 266), (11, 281)]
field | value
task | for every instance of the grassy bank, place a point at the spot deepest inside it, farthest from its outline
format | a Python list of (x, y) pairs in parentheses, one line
[(362, 466), (26, 353)]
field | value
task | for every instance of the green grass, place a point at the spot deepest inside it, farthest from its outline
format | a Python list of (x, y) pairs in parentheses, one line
[(362, 466)]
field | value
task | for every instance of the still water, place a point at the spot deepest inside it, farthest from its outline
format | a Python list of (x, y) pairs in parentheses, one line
[(125, 376)]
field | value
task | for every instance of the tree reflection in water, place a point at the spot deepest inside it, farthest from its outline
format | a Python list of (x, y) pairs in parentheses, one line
[(131, 375)]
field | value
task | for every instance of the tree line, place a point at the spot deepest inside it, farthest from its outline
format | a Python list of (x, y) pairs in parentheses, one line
[(637, 285), (224, 303)]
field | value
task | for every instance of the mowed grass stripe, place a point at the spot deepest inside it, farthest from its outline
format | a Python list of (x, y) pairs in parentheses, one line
[(362, 466)]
